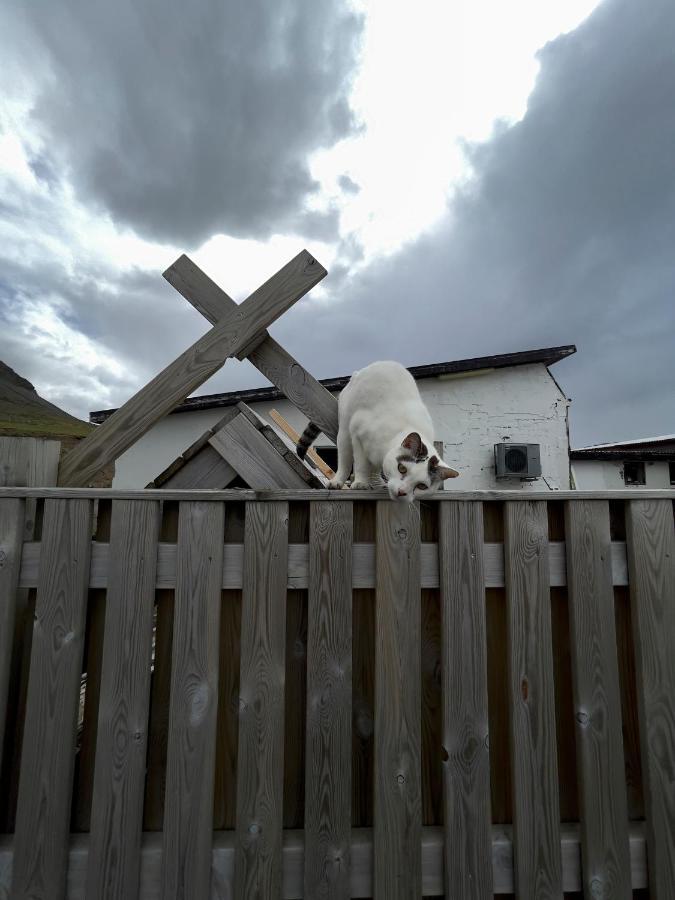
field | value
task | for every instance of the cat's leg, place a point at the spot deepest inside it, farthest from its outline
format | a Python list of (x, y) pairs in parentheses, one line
[(345, 459), (362, 468)]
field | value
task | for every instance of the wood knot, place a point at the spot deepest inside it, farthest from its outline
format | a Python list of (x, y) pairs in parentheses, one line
[(402, 534), (3, 558), (400, 778), (583, 719), (524, 689)]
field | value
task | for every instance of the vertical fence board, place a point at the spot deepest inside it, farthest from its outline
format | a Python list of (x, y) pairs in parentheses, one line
[(468, 834), (42, 821), (12, 515), (651, 562), (113, 863), (190, 766), (258, 862), (398, 804), (536, 825), (597, 702), (329, 703)]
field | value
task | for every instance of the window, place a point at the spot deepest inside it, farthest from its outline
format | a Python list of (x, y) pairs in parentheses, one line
[(671, 466), (634, 473)]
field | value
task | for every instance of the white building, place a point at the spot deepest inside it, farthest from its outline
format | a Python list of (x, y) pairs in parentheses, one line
[(475, 403), (643, 463)]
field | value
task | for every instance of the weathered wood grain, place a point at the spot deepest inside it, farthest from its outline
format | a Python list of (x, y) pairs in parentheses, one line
[(207, 469), (468, 841), (362, 862), (597, 702), (188, 805), (12, 517), (113, 869), (258, 859), (268, 357), (191, 369), (239, 496), (363, 565), (650, 537), (398, 804), (42, 820), (251, 455), (533, 739), (329, 703)]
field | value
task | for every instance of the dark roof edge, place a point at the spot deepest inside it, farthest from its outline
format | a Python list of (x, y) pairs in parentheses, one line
[(628, 453), (547, 356)]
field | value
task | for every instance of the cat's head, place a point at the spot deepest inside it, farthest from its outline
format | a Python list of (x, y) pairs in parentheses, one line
[(410, 472)]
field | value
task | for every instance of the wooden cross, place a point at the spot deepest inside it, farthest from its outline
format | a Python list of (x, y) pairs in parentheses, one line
[(239, 330)]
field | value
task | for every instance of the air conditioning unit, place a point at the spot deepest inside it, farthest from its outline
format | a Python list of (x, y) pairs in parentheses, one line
[(517, 461)]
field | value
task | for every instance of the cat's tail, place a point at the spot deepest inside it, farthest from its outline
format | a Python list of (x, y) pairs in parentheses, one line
[(307, 438)]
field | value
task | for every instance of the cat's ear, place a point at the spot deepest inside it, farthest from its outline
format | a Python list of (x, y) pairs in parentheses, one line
[(439, 471), (413, 443)]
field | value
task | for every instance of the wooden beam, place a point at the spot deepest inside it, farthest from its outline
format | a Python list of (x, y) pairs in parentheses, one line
[(222, 866), (191, 369), (536, 817), (121, 738), (269, 357), (290, 432), (260, 766), (254, 459), (12, 517), (190, 764), (651, 558), (597, 701), (48, 754), (363, 568), (329, 703), (243, 496), (397, 813), (466, 768)]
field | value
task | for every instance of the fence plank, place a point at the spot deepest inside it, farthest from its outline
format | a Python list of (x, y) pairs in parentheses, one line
[(190, 768), (301, 388), (12, 517), (398, 799), (191, 369), (329, 703), (113, 864), (468, 841), (260, 770), (597, 701), (42, 821), (536, 826), (651, 562)]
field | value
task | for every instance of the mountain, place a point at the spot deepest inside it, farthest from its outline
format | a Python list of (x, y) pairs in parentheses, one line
[(24, 413)]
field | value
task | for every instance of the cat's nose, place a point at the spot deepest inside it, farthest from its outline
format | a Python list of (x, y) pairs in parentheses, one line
[(402, 493)]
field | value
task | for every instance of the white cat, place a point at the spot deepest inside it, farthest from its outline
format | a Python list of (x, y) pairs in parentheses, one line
[(385, 428)]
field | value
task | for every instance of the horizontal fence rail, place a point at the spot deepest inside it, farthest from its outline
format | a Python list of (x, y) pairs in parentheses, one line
[(324, 694)]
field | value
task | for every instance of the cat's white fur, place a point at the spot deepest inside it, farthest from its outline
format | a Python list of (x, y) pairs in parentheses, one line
[(385, 427)]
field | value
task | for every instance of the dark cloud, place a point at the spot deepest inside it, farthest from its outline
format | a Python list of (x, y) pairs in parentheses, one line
[(186, 120), (565, 234)]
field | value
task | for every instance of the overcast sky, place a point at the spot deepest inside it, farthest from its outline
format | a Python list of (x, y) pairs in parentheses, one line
[(478, 177)]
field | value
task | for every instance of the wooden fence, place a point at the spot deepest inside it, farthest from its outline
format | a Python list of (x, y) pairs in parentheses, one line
[(229, 694)]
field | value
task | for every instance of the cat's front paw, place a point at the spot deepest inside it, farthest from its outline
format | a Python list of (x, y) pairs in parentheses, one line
[(360, 486), (335, 484)]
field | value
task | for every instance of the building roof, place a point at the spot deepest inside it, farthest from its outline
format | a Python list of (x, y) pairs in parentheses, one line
[(649, 448), (23, 413), (546, 356)]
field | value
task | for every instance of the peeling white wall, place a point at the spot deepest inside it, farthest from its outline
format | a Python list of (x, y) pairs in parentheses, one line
[(607, 474), (472, 412)]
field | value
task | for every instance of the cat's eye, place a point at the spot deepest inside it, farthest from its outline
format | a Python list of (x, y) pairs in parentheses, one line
[(421, 487), (402, 469)]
